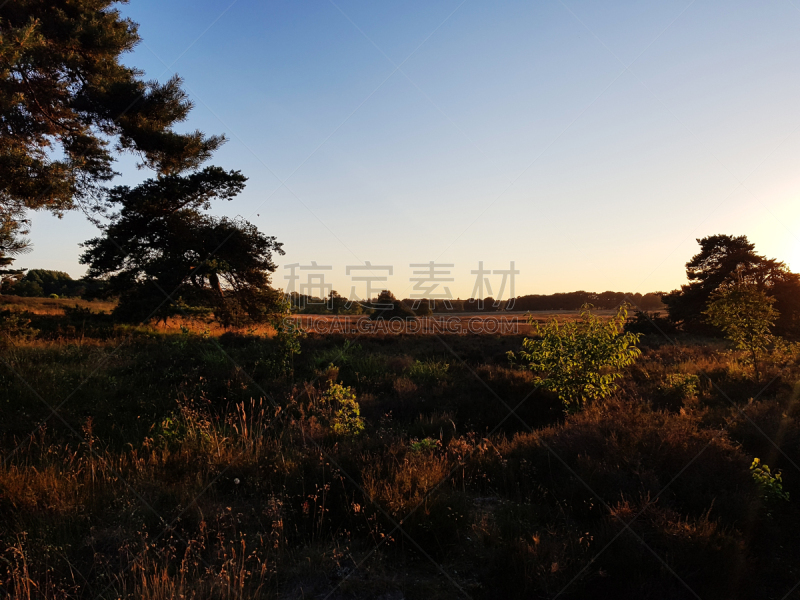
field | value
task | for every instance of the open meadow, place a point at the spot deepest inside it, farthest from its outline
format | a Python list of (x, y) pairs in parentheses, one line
[(152, 462)]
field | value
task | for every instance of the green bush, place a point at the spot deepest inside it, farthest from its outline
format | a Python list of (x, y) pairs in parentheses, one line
[(682, 385), (424, 445), (771, 486), (580, 361), (346, 414), (358, 366), (185, 427), (339, 356)]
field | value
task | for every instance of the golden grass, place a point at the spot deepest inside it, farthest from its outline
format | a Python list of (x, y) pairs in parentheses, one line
[(227, 494), (52, 306)]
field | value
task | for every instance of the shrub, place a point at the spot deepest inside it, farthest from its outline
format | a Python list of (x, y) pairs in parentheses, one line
[(388, 307), (580, 361), (771, 486), (346, 414), (357, 365), (186, 427), (650, 324), (430, 371), (288, 334), (612, 465), (424, 445), (630, 449), (681, 385), (15, 326)]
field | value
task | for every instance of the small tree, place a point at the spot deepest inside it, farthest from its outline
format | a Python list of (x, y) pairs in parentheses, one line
[(423, 307), (389, 307), (288, 333), (745, 314), (345, 413), (580, 360)]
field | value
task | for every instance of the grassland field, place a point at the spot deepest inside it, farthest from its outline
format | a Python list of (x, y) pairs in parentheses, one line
[(188, 461)]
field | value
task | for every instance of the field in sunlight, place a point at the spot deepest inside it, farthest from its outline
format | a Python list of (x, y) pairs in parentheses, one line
[(152, 462)]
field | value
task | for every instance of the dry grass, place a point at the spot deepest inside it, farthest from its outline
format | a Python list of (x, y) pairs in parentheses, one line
[(52, 306), (188, 466)]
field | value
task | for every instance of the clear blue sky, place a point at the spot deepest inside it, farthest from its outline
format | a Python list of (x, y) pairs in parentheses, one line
[(591, 143)]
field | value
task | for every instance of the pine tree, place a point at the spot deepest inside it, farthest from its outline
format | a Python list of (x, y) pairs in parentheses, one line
[(162, 255), (67, 104)]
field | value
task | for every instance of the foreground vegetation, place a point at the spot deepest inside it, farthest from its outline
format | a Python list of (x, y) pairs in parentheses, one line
[(170, 464)]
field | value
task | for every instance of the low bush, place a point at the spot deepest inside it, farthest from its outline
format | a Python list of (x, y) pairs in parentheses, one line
[(580, 360)]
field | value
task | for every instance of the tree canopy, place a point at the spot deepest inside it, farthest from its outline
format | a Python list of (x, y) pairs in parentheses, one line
[(162, 255), (389, 307), (723, 259), (67, 104), (43, 282)]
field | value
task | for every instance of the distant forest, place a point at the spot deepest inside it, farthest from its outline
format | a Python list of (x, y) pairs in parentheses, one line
[(43, 283), (46, 283), (561, 301), (574, 300)]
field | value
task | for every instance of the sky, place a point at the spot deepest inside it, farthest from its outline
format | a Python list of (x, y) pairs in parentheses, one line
[(589, 143)]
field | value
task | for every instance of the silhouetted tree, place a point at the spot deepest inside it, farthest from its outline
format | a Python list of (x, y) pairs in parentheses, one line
[(650, 301), (423, 306), (67, 102), (387, 307), (723, 259), (163, 256), (650, 324), (339, 305)]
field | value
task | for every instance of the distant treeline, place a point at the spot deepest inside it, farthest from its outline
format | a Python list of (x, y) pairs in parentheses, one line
[(45, 283), (574, 300), (562, 301)]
